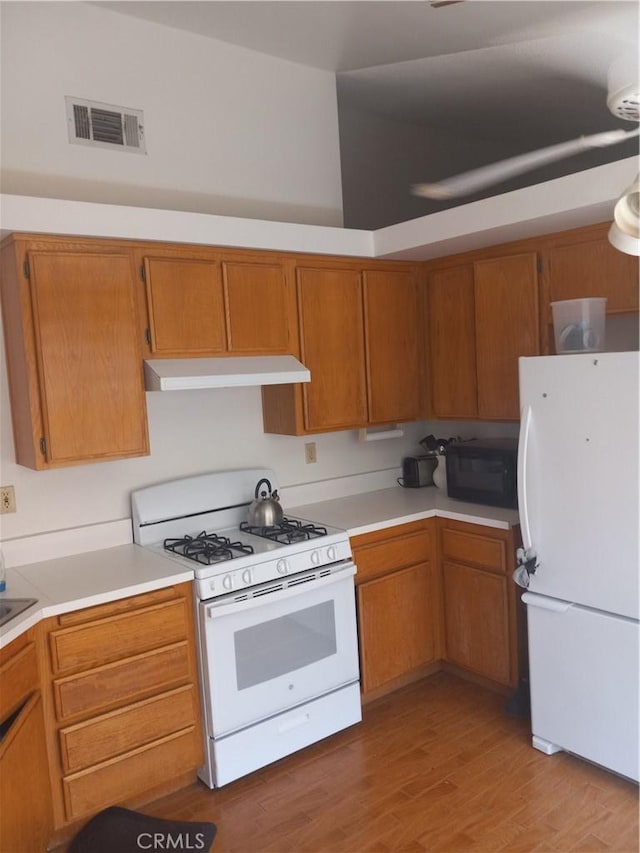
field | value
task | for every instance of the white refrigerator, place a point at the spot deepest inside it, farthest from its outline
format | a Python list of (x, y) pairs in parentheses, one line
[(578, 490)]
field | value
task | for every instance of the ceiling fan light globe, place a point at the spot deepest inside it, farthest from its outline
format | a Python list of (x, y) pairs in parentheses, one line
[(626, 213), (623, 242)]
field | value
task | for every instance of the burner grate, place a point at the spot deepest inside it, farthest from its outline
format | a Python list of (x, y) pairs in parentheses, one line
[(287, 532), (207, 548)]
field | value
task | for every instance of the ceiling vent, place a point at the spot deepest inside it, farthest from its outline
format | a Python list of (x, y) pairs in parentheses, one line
[(104, 125)]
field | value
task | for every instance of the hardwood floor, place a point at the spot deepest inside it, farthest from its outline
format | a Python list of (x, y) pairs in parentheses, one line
[(436, 766)]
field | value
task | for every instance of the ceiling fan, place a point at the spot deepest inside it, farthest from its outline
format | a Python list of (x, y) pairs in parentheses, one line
[(623, 101)]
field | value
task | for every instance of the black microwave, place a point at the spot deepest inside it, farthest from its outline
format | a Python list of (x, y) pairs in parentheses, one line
[(484, 471)]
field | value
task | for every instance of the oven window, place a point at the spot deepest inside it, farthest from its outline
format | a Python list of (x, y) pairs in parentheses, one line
[(273, 648)]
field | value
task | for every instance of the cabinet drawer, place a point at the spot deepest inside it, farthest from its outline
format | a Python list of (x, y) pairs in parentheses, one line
[(112, 608), (118, 636), (131, 774), (117, 732), (481, 551), (383, 557), (122, 682), (18, 678)]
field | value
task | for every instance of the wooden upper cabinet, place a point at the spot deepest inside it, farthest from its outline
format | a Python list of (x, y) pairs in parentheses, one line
[(452, 342), (212, 304), (186, 307), (593, 268), (258, 307), (507, 327), (86, 338), (73, 354), (332, 343), (393, 346)]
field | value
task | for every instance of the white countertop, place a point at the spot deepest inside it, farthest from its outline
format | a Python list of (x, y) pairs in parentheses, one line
[(96, 577), (84, 580), (387, 507)]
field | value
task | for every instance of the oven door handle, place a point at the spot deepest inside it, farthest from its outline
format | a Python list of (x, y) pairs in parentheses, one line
[(232, 605)]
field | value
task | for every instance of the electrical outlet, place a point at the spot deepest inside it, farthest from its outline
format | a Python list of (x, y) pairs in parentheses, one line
[(310, 452), (7, 499)]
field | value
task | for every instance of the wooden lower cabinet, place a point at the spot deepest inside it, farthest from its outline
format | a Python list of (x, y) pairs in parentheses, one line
[(479, 598), (122, 704), (26, 816), (436, 593), (398, 605), (477, 621), (386, 607)]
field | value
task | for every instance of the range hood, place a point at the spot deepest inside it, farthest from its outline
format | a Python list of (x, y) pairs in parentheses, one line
[(186, 374)]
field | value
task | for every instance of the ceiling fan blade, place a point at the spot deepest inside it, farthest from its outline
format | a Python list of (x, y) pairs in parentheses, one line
[(478, 179)]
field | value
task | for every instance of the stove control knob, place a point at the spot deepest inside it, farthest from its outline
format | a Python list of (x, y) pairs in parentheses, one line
[(282, 567), (331, 553), (315, 558), (227, 582), (246, 577)]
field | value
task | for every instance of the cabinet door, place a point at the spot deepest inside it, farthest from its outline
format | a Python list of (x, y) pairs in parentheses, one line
[(331, 319), (507, 326), (392, 326), (89, 357), (26, 818), (476, 615), (257, 307), (396, 624), (452, 343), (186, 309), (594, 268)]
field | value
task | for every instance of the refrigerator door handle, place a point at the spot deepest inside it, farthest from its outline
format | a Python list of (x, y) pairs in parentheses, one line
[(556, 605), (523, 452)]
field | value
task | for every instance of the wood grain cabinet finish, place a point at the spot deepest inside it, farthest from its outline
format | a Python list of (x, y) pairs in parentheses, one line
[(186, 306), (452, 343), (507, 327), (207, 303), (481, 318), (260, 306), (73, 352), (117, 732), (122, 707), (398, 599), (592, 267), (117, 637), (361, 337), (480, 615), (393, 346), (114, 684), (26, 814), (332, 344)]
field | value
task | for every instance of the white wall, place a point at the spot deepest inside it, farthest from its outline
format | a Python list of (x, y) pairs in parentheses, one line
[(190, 432), (382, 157), (228, 130)]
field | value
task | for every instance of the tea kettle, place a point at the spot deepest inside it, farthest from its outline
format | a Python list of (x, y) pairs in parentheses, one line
[(265, 510)]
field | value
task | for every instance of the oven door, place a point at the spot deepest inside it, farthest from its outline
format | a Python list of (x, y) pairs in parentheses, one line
[(291, 641)]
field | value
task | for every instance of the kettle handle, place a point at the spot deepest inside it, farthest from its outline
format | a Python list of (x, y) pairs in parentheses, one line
[(260, 482)]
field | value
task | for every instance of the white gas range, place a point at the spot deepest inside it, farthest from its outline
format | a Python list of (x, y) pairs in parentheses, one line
[(276, 619)]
